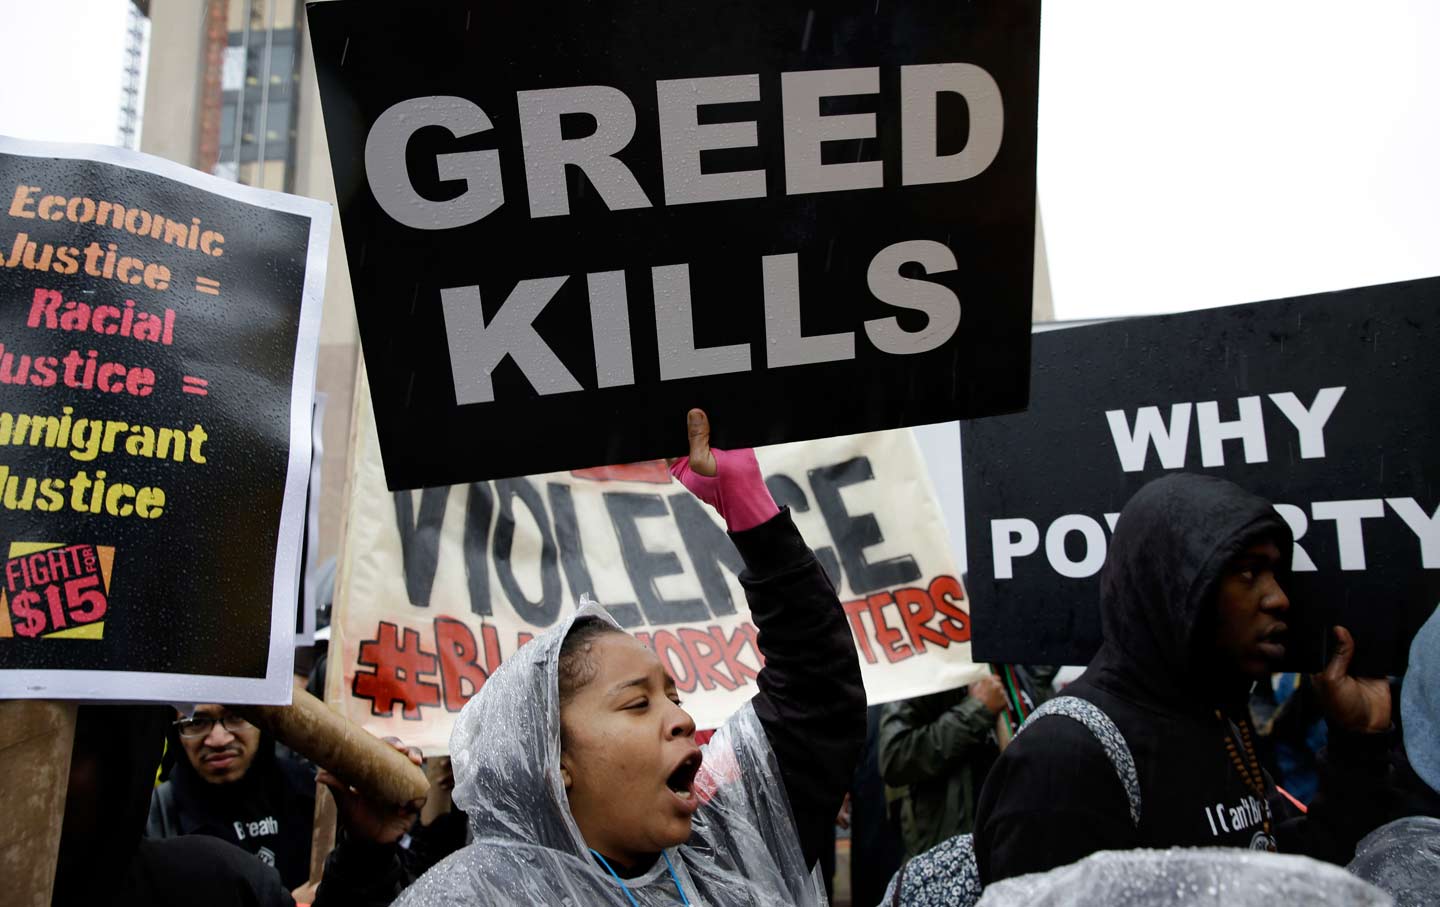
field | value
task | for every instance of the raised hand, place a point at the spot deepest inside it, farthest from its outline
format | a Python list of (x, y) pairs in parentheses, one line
[(1360, 704), (728, 480)]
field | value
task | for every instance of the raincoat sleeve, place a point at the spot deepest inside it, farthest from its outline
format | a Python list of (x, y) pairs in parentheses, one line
[(916, 747), (811, 702), (1052, 799), (1356, 796)]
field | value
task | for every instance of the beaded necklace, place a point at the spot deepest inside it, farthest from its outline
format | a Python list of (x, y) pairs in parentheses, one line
[(1249, 766)]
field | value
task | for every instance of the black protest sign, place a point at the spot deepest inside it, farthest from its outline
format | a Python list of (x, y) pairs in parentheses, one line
[(564, 221), (157, 349), (1322, 404)]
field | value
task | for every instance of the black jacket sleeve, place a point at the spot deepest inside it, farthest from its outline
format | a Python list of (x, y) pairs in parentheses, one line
[(362, 874), (1357, 795), (1052, 798), (811, 700), (373, 875), (172, 870)]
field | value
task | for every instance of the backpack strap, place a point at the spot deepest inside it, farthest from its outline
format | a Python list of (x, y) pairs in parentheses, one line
[(1106, 733), (946, 875)]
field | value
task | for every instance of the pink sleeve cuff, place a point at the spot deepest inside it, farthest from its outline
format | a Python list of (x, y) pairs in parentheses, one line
[(737, 490)]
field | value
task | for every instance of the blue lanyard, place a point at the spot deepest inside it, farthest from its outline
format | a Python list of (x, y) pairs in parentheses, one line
[(626, 888)]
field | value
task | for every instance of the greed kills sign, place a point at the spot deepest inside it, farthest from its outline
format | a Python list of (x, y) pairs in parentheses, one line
[(808, 221), (1323, 405), (56, 590)]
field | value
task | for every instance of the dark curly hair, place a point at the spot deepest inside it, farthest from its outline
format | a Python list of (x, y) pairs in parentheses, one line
[(576, 668)]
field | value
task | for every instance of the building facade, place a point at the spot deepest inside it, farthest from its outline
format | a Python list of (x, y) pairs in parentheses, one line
[(231, 90)]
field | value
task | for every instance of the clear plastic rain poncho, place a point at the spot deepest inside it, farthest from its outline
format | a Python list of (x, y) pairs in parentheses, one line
[(1188, 877), (1403, 858), (527, 849)]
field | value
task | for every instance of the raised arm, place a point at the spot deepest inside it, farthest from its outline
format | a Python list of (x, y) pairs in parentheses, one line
[(811, 700), (1357, 791)]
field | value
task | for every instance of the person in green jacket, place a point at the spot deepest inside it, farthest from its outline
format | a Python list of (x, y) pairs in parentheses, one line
[(935, 751), (934, 754)]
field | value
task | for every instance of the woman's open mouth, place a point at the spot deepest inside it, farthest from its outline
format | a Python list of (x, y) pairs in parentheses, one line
[(681, 781)]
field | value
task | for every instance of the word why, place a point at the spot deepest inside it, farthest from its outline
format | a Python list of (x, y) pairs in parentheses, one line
[(1172, 440)]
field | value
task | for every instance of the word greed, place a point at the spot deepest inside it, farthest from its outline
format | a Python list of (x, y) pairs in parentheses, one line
[(477, 347)]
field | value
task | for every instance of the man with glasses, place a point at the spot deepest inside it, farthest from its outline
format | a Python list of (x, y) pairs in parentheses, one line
[(232, 785)]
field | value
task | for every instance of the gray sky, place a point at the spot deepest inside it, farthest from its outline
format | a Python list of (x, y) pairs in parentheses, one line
[(1191, 154), (1199, 154)]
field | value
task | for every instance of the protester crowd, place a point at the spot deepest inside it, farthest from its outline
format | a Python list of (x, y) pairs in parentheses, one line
[(575, 776)]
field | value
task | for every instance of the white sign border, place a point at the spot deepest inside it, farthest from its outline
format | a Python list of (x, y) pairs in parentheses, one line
[(276, 687)]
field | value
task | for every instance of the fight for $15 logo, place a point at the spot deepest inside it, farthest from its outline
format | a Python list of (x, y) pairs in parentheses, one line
[(56, 590)]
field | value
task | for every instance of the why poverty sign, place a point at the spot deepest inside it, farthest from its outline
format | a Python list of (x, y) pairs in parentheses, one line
[(1323, 404), (438, 587), (808, 219), (157, 359)]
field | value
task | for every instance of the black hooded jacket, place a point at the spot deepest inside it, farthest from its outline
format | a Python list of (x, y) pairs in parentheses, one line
[(269, 812), (1054, 798)]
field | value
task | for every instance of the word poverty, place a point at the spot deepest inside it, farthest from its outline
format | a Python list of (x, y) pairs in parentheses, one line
[(1171, 440), (478, 344)]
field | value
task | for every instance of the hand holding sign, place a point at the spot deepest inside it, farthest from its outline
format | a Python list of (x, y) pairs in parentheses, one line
[(728, 480), (367, 817), (989, 692)]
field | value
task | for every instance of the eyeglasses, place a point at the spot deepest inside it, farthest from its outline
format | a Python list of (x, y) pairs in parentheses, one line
[(202, 725)]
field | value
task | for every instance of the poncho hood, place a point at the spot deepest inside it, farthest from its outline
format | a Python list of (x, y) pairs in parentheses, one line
[(1420, 703), (1188, 877), (505, 749)]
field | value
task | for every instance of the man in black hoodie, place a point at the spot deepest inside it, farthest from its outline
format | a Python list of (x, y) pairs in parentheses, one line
[(230, 784), (1193, 612)]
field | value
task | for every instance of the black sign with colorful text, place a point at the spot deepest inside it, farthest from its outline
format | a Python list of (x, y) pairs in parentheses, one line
[(1323, 404), (569, 223), (156, 346)]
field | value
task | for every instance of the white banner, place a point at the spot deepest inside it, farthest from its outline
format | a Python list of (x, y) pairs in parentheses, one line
[(438, 587)]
